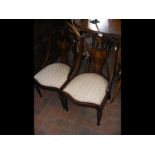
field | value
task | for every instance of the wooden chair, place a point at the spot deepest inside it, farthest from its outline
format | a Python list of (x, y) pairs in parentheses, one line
[(91, 88), (56, 75)]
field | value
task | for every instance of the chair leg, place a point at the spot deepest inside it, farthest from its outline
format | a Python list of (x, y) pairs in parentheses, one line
[(38, 90), (66, 104), (109, 96), (99, 115), (64, 101), (118, 86)]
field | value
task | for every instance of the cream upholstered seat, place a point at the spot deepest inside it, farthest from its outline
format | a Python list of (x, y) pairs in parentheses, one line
[(87, 87), (53, 75)]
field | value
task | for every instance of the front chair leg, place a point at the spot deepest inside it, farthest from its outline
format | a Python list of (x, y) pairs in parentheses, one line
[(99, 115)]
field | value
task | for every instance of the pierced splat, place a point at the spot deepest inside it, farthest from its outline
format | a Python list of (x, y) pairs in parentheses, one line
[(97, 59)]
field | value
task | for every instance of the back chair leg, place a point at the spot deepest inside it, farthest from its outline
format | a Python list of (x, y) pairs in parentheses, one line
[(118, 87), (38, 90), (99, 115), (62, 100), (109, 96), (66, 104)]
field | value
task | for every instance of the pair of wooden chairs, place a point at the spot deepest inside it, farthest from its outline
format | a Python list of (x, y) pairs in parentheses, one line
[(89, 89)]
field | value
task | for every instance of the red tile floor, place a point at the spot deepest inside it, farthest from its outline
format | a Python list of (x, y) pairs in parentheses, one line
[(50, 118)]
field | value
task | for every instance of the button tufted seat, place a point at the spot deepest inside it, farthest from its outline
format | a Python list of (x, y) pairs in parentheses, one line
[(87, 87), (53, 75)]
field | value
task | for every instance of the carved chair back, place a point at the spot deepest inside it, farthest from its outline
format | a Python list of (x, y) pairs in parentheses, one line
[(96, 58), (53, 47), (66, 44), (98, 53)]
